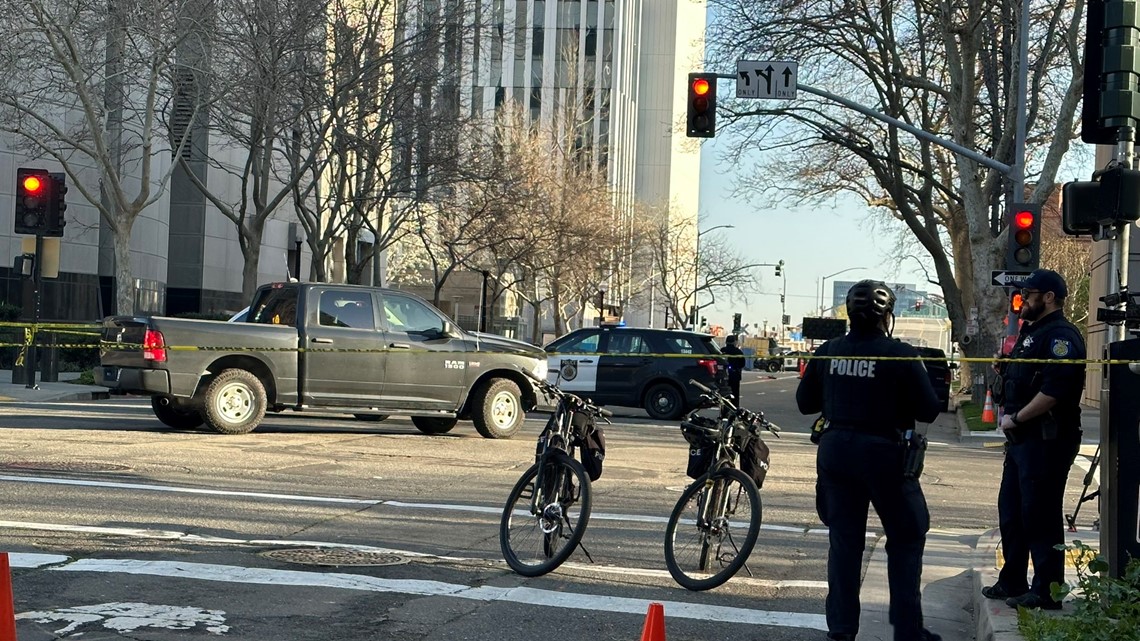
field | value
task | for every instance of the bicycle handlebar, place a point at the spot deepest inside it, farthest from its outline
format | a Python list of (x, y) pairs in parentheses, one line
[(750, 417), (581, 404)]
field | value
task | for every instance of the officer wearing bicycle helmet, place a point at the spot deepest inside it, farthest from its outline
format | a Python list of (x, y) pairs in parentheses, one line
[(870, 393)]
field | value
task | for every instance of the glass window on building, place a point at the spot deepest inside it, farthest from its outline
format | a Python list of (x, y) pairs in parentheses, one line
[(611, 12), (539, 41), (591, 44), (592, 13), (539, 18), (536, 97), (570, 13)]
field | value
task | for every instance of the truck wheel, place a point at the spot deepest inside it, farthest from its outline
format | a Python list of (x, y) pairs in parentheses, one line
[(234, 402), (371, 418), (168, 411), (664, 402), (497, 409), (434, 424), (775, 366)]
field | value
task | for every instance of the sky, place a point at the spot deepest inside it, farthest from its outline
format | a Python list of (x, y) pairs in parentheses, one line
[(812, 242)]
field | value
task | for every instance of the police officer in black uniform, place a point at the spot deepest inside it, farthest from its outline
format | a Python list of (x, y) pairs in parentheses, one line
[(869, 404), (735, 366), (1042, 423)]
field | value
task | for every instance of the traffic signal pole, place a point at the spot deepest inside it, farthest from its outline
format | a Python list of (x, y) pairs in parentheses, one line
[(37, 294)]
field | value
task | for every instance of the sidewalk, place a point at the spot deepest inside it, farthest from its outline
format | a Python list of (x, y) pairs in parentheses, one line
[(58, 392)]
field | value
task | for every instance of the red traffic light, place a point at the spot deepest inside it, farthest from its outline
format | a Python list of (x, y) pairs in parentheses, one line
[(33, 185), (1023, 219), (700, 86)]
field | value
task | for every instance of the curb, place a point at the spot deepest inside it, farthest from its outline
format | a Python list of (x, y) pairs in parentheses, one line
[(995, 621), (62, 398)]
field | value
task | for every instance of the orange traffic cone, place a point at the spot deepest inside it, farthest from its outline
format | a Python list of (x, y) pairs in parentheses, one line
[(988, 409), (8, 604), (654, 629), (803, 367)]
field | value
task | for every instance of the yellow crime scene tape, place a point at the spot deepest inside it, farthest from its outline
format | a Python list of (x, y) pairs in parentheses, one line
[(95, 330)]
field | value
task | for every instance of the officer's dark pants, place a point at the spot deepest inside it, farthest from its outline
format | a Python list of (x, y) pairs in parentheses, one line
[(1031, 511), (856, 469), (734, 385)]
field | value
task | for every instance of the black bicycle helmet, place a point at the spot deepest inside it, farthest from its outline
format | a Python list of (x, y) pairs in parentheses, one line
[(868, 301)]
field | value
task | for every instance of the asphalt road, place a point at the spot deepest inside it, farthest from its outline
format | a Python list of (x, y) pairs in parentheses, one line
[(152, 533)]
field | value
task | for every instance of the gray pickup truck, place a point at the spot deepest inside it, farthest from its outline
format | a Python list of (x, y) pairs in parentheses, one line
[(366, 351)]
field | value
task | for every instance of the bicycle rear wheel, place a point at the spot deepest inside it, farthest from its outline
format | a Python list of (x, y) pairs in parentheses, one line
[(538, 535), (703, 552)]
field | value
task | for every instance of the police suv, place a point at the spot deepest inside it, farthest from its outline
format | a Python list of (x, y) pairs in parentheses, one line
[(636, 367)]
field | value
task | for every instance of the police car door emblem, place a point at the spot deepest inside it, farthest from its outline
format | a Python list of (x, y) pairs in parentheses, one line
[(569, 370), (1060, 347)]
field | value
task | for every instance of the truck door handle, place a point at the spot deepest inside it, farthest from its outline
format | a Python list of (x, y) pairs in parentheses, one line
[(399, 346), (324, 341)]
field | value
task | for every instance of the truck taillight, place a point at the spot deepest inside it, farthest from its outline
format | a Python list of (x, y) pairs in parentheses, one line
[(709, 364), (154, 349)]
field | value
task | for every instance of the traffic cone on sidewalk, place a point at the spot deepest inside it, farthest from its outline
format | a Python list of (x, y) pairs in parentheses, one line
[(988, 409), (654, 629), (7, 602)]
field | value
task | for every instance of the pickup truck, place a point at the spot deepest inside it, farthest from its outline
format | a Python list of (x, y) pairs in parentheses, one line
[(366, 351)]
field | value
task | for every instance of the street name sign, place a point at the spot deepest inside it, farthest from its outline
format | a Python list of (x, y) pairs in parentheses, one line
[(1005, 277), (766, 79)]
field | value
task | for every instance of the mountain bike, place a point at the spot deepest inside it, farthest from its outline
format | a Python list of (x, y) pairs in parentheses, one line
[(547, 511), (716, 522)]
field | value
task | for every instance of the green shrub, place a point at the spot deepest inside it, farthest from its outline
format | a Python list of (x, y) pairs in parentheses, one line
[(1105, 608)]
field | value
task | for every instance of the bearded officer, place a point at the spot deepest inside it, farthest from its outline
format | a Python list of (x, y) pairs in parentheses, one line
[(1042, 422), (869, 402)]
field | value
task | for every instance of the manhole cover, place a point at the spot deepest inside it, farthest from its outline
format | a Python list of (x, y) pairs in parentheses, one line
[(60, 466), (334, 557)]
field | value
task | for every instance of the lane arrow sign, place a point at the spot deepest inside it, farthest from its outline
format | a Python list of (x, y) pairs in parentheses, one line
[(1005, 278)]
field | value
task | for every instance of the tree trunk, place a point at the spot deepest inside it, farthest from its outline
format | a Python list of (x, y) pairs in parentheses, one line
[(251, 252), (124, 281), (536, 329)]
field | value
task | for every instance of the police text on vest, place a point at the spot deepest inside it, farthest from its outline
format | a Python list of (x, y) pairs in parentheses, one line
[(847, 367)]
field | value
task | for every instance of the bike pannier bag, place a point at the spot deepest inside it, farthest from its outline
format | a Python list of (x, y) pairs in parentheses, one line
[(701, 448), (754, 460), (591, 443)]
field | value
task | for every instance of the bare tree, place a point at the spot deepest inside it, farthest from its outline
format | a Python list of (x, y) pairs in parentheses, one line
[(715, 270), (85, 83), (948, 68)]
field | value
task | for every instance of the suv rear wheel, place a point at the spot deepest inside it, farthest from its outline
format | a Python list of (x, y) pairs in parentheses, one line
[(775, 366), (664, 402)]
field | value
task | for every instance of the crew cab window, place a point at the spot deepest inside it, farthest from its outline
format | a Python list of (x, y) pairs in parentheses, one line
[(275, 307), (410, 315), (626, 343), (347, 309)]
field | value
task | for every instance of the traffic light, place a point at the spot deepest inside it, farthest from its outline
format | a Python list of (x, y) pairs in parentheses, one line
[(1015, 301), (736, 323), (786, 319), (1113, 197), (57, 204), (918, 303), (1023, 251), (702, 105), (780, 268), (33, 189)]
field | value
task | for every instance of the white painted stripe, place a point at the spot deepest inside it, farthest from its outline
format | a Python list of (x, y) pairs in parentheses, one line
[(450, 507), (30, 560), (529, 596), (194, 538), (664, 574), (185, 490)]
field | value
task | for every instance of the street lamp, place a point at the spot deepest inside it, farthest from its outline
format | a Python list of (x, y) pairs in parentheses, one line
[(602, 289), (697, 270), (823, 281)]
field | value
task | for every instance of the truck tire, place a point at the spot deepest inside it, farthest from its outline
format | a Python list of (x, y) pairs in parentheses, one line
[(497, 409), (167, 411), (664, 402), (234, 402), (434, 424)]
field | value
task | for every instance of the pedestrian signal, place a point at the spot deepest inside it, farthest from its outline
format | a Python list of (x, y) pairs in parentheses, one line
[(1015, 301), (702, 105)]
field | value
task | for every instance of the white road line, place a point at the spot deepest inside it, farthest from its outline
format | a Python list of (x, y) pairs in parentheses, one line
[(664, 574), (523, 595), (451, 507), (31, 560), (185, 490)]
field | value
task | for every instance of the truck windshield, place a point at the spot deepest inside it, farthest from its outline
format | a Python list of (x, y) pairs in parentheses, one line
[(275, 307)]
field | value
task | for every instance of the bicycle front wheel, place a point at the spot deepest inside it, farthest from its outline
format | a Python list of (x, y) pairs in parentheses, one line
[(712, 529), (545, 516)]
